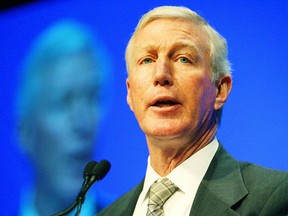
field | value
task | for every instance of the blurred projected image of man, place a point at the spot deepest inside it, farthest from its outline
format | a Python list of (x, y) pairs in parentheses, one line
[(58, 111)]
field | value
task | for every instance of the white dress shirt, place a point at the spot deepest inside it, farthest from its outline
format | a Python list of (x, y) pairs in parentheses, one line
[(187, 177)]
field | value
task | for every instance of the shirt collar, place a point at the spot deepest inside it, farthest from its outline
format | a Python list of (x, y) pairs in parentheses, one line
[(190, 172)]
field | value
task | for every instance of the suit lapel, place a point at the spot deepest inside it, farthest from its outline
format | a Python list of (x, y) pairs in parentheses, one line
[(221, 188), (128, 206)]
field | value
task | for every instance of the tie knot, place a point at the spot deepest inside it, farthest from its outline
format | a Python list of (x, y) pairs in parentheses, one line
[(160, 192)]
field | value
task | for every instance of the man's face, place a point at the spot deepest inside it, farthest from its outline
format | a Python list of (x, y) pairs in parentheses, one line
[(64, 124), (169, 85)]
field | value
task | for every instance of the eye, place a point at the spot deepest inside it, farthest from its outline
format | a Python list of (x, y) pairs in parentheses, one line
[(184, 60), (147, 61)]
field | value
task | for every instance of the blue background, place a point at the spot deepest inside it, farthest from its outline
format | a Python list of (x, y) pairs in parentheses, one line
[(255, 120)]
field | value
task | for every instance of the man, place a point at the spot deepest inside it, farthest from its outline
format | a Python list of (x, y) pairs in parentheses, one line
[(59, 109), (178, 82)]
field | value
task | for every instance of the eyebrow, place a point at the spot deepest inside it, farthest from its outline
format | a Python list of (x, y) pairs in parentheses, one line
[(176, 45), (186, 44)]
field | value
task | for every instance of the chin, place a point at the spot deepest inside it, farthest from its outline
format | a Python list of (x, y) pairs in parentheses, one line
[(166, 127), (70, 188), (166, 130)]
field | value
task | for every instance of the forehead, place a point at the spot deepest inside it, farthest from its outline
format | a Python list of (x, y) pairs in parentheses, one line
[(71, 74), (166, 32)]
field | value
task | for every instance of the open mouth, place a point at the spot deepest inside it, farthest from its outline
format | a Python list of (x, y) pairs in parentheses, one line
[(164, 103)]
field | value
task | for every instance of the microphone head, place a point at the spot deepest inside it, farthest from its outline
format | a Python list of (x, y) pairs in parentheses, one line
[(88, 169), (101, 169)]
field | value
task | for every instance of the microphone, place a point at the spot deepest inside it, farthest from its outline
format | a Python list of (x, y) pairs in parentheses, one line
[(88, 172), (98, 172), (101, 170), (93, 172), (88, 169)]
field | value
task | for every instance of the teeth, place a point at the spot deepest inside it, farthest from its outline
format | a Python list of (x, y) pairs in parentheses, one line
[(164, 103)]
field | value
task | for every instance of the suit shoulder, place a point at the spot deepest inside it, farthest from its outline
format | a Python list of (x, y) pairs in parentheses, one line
[(256, 176), (259, 171), (266, 187), (125, 204)]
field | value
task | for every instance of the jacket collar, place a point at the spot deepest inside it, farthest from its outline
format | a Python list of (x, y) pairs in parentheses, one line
[(127, 208), (221, 188)]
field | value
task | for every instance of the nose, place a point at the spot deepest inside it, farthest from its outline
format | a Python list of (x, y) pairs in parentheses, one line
[(83, 117), (163, 73)]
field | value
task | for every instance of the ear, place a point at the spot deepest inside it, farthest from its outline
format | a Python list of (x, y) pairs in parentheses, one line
[(223, 88), (128, 98)]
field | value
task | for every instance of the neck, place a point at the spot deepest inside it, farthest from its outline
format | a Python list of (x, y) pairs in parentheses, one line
[(167, 153), (49, 203)]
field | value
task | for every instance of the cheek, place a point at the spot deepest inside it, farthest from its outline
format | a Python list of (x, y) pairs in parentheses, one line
[(200, 93), (55, 124), (136, 100), (52, 131), (53, 140), (137, 94), (207, 99)]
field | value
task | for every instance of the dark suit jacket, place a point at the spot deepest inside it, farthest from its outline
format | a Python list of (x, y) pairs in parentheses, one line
[(229, 187)]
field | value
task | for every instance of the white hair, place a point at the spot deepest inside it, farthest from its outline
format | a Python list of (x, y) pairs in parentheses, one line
[(218, 46), (62, 39)]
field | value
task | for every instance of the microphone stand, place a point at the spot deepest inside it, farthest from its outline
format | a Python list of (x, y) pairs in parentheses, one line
[(79, 206), (93, 172), (68, 210), (78, 202)]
